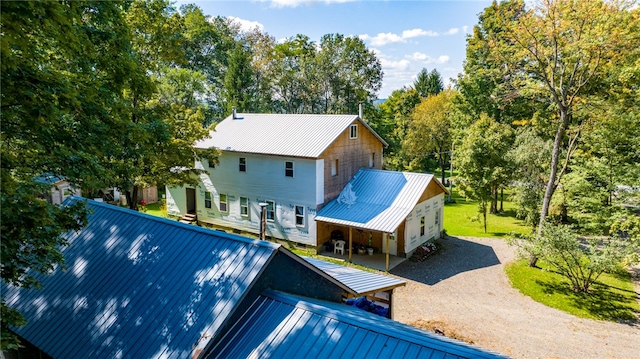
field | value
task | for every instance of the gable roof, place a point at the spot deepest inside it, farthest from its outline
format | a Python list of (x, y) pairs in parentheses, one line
[(383, 200), (357, 281), (138, 286), (279, 325), (295, 135)]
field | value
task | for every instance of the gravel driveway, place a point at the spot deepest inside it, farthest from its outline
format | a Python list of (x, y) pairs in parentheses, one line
[(464, 286)]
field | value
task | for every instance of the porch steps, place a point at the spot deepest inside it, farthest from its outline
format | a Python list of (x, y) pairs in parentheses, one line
[(188, 218)]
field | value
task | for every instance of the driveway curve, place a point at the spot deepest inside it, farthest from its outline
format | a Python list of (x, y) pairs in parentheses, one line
[(464, 286)]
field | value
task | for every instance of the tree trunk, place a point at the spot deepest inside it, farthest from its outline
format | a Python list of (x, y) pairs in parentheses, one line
[(132, 198), (501, 199), (553, 172), (442, 171), (494, 201), (484, 217)]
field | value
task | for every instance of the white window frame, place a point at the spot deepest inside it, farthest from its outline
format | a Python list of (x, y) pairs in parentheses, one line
[(225, 203), (242, 164), (301, 216), (372, 159), (272, 210), (207, 201), (353, 131), (437, 221), (244, 207), (286, 169)]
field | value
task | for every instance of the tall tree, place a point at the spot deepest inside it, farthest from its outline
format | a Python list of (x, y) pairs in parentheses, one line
[(239, 84), (555, 52), (428, 83), (482, 161), (429, 133), (63, 66)]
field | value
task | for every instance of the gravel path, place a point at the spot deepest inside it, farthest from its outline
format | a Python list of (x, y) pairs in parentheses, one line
[(464, 286)]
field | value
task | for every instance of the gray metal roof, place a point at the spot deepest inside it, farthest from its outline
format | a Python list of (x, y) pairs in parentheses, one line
[(279, 325), (360, 282), (294, 135), (138, 286), (383, 200)]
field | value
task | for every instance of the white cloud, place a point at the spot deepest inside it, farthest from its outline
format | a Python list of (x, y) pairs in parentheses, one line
[(246, 25), (418, 56), (442, 59), (296, 3), (382, 39), (465, 29), (452, 31), (396, 65), (407, 34)]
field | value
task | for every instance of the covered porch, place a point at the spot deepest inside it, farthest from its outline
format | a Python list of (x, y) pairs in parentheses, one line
[(376, 261)]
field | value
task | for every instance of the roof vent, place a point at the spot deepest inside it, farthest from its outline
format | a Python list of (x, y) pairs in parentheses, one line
[(360, 110), (233, 114)]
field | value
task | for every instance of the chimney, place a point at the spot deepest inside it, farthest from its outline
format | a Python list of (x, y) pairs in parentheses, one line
[(360, 110), (233, 114)]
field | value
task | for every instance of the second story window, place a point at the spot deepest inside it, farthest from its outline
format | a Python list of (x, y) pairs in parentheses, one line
[(372, 159), (422, 226), (207, 200), (288, 168), (334, 168), (353, 131), (243, 164), (271, 210), (223, 202), (244, 206)]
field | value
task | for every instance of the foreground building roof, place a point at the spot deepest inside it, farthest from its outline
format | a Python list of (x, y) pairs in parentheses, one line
[(279, 325), (295, 135)]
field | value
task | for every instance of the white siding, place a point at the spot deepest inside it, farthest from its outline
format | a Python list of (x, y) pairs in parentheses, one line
[(319, 182), (426, 209), (264, 180)]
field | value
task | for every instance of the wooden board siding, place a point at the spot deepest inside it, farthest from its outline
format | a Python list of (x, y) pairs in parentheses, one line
[(352, 154)]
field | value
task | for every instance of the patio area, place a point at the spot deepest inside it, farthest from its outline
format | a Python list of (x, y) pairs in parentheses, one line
[(375, 261)]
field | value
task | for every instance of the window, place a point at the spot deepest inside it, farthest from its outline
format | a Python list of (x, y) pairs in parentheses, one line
[(271, 210), (244, 206), (422, 226), (212, 164), (223, 202), (243, 164), (334, 168), (300, 216), (288, 168), (372, 159), (207, 199), (437, 218), (353, 131)]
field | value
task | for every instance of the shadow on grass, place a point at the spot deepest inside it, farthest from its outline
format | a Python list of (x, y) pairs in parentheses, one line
[(602, 302), (454, 256)]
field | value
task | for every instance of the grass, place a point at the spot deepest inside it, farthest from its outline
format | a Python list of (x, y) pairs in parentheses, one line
[(155, 209), (611, 298), (462, 219)]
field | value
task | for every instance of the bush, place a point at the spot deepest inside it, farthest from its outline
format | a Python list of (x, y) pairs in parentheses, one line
[(581, 261)]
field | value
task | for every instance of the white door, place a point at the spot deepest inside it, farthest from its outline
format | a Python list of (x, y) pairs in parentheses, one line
[(393, 243)]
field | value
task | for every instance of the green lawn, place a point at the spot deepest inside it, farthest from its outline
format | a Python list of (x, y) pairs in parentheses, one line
[(612, 297), (462, 219), (155, 209)]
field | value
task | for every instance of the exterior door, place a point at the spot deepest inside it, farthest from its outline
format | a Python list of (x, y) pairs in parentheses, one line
[(393, 243), (191, 200)]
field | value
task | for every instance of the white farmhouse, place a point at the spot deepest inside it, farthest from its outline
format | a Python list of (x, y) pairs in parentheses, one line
[(297, 164)]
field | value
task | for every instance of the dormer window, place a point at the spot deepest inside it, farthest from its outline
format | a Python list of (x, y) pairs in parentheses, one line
[(353, 131)]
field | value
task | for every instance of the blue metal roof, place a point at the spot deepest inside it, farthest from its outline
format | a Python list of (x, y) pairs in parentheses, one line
[(381, 200), (279, 325), (358, 281), (138, 286)]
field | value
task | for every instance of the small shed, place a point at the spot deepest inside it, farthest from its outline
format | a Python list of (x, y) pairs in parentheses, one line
[(59, 188)]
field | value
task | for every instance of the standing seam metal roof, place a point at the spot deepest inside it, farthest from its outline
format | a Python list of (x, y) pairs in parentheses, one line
[(295, 135), (383, 201), (138, 286), (279, 325), (360, 282)]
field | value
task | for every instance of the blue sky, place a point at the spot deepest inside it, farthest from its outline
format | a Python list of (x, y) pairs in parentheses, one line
[(405, 35)]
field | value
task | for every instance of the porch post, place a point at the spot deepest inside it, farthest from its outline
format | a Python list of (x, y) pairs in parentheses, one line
[(387, 263), (350, 243)]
